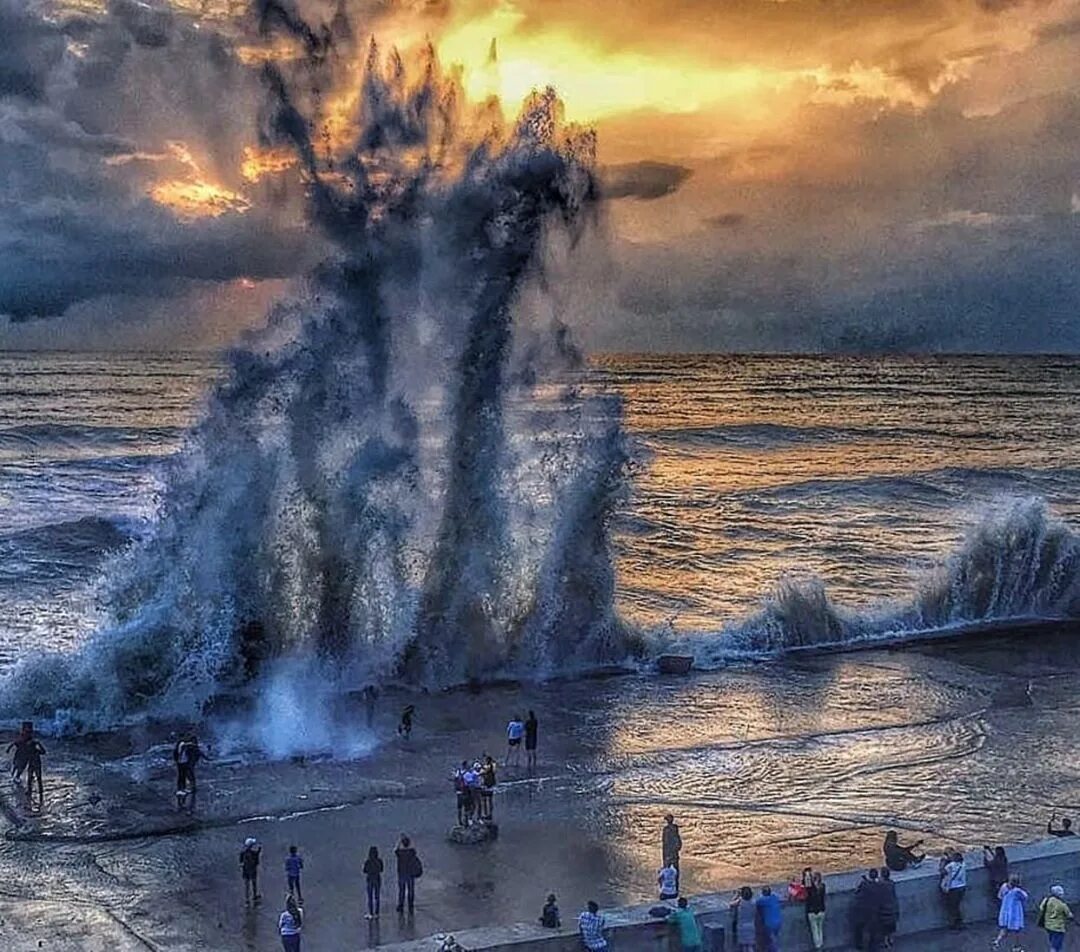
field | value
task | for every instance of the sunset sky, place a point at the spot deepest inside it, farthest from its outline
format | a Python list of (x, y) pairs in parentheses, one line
[(854, 175)]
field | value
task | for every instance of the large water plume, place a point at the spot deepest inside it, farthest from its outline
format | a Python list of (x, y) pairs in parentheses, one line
[(399, 478)]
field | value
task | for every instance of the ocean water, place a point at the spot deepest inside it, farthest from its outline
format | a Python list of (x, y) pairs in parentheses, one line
[(865, 473)]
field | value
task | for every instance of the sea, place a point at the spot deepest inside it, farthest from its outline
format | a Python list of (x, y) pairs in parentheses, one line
[(858, 476)]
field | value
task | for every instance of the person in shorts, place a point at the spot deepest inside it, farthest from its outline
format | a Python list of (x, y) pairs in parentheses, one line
[(515, 733)]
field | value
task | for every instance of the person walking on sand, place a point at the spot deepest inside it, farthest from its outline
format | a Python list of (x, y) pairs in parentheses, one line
[(290, 923), (815, 908), (1064, 830), (515, 732), (249, 869), (294, 862), (1055, 916), (373, 870), (532, 735), (1011, 913), (686, 924), (409, 870), (744, 920), (591, 925)]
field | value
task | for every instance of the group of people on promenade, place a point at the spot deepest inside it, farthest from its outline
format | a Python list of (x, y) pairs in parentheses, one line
[(408, 868), (756, 922)]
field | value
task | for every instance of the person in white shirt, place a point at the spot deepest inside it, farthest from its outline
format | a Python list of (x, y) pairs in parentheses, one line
[(668, 880), (289, 925), (953, 887), (515, 732)]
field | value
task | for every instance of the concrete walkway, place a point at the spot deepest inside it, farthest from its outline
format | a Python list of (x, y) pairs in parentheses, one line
[(977, 938)]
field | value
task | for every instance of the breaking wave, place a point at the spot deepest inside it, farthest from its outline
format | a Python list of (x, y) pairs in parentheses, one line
[(399, 480), (1018, 561)]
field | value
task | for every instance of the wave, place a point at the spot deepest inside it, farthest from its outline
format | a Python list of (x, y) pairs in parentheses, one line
[(39, 436), (367, 497), (62, 550), (1018, 561)]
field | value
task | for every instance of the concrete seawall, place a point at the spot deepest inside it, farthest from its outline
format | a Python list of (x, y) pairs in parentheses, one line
[(632, 929)]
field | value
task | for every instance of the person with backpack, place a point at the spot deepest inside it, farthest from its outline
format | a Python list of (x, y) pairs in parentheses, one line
[(744, 920), (1011, 913), (409, 870), (249, 869), (290, 922), (1055, 916), (373, 870)]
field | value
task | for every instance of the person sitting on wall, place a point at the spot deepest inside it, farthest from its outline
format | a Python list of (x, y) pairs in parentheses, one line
[(1065, 829), (899, 857)]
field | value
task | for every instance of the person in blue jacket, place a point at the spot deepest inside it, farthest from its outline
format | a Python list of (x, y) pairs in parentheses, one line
[(768, 907)]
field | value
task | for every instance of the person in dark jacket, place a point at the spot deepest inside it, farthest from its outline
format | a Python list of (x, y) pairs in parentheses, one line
[(867, 912), (815, 908), (997, 869), (409, 871), (889, 912), (899, 857), (671, 842), (549, 915), (373, 870), (249, 869)]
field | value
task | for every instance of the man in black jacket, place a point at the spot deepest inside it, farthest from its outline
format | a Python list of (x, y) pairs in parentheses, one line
[(409, 870)]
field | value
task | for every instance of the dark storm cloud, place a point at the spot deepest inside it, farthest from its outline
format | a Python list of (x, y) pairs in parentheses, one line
[(644, 180), (29, 51), (85, 133)]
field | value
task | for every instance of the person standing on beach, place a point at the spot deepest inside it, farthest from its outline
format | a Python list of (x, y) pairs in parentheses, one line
[(1055, 916), (373, 870), (290, 922), (686, 924), (532, 735), (409, 870), (670, 843), (20, 751), (668, 881), (487, 790), (370, 695), (293, 864), (405, 726), (34, 750), (515, 732), (815, 909), (1065, 829), (249, 869)]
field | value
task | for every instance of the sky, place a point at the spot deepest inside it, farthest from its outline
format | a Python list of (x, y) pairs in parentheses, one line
[(778, 175)]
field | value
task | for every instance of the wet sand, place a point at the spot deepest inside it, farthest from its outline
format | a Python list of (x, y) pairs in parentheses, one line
[(767, 767)]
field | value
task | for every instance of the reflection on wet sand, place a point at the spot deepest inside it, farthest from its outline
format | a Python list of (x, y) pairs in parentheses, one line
[(767, 768)]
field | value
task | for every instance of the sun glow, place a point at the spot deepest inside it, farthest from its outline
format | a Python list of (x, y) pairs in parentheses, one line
[(192, 195), (592, 82)]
